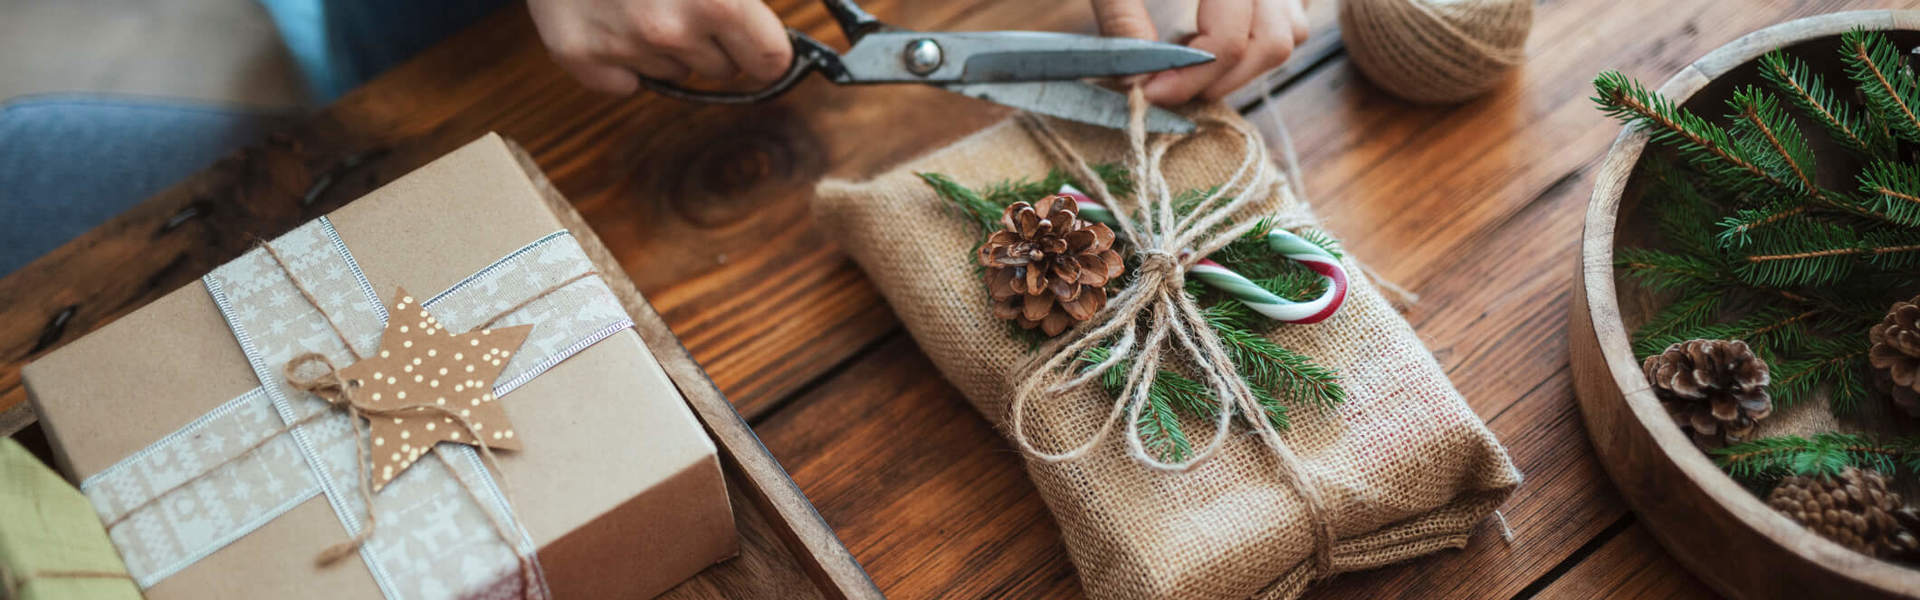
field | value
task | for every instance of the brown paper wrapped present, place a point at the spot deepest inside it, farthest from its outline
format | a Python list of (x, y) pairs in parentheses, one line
[(219, 479), (1401, 469)]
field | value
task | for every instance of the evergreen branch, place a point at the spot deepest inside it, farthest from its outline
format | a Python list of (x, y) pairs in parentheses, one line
[(1771, 331), (1811, 95), (1825, 454), (1689, 313), (1665, 271), (1837, 363), (964, 202), (1702, 143), (1684, 214), (1893, 189), (1737, 230), (1874, 250), (1758, 118), (1890, 91), (1272, 367), (1159, 426), (1807, 252)]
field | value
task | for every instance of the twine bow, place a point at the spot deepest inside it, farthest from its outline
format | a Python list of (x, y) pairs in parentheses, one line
[(1153, 314)]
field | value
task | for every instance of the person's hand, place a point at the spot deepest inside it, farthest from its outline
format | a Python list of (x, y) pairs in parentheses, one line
[(1246, 37), (603, 43)]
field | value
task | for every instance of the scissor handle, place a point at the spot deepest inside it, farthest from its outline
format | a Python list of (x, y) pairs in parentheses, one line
[(809, 55)]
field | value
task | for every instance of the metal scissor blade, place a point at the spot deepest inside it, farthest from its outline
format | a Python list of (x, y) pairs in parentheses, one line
[(1073, 101), (992, 56), (1049, 65)]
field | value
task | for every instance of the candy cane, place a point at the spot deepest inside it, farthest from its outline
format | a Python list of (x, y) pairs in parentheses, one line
[(1293, 247)]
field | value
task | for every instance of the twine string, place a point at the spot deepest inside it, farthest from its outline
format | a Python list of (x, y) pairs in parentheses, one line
[(14, 582), (1154, 315)]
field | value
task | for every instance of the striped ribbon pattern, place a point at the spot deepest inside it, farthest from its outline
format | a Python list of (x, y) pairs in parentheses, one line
[(1267, 303)]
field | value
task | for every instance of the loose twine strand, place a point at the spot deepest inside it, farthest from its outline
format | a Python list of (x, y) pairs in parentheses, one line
[(18, 581), (1154, 309), (338, 392)]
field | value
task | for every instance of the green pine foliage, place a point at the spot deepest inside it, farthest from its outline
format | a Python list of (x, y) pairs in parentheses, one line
[(1277, 376), (1878, 68), (1844, 123), (1757, 242), (1768, 459), (1893, 189)]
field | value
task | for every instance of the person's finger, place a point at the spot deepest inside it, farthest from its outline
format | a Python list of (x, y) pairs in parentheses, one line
[(1125, 18), (658, 66), (601, 77), (1223, 28), (1269, 42), (1297, 19), (758, 45), (690, 46)]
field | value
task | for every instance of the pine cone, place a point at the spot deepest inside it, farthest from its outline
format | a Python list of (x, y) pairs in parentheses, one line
[(1855, 509), (1046, 267), (1716, 388), (1895, 354)]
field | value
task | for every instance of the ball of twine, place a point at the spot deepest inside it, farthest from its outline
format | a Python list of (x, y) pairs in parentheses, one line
[(1436, 51)]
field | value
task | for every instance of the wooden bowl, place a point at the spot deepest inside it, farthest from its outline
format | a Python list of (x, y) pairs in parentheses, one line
[(1718, 529)]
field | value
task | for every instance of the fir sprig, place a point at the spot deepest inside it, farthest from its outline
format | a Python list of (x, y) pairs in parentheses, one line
[(1893, 189), (1765, 132), (1707, 146), (986, 206), (1824, 454), (1807, 92), (1840, 365), (1891, 93)]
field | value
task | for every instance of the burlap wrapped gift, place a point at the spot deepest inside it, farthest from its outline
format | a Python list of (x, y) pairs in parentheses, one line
[(1404, 466)]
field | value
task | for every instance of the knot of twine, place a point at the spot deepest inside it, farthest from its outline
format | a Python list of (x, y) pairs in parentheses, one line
[(338, 391), (1436, 52), (1154, 315)]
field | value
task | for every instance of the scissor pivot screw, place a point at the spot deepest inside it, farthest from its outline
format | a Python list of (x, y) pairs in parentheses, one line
[(923, 56)]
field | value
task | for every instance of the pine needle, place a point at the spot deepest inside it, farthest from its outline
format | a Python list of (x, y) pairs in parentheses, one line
[(1892, 95), (1768, 134), (1838, 365), (1709, 147), (1807, 92), (1825, 454), (1892, 189)]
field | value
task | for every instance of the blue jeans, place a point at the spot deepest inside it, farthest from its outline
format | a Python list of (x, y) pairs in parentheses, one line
[(69, 163)]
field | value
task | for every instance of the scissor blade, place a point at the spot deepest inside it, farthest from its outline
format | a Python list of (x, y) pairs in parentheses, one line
[(1049, 65), (993, 56), (1073, 101)]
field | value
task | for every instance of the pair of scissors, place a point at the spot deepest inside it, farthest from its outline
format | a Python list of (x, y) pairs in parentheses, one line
[(1034, 71)]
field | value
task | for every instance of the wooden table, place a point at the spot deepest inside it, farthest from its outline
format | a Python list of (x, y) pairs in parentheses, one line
[(1475, 207)]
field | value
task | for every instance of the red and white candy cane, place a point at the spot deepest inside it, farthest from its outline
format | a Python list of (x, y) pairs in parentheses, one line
[(1245, 290)]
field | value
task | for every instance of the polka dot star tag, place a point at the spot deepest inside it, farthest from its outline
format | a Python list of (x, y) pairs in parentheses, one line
[(431, 386)]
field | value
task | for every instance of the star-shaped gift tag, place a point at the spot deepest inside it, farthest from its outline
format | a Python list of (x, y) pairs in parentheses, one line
[(420, 364)]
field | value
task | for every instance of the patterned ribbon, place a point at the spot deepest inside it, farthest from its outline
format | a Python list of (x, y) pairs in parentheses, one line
[(435, 540), (1245, 290)]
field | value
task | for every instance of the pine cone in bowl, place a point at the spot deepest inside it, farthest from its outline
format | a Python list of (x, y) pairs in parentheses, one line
[(1716, 389), (1855, 509), (1895, 354), (1048, 268)]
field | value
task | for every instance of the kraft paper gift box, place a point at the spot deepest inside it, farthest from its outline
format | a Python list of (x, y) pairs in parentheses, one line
[(616, 490)]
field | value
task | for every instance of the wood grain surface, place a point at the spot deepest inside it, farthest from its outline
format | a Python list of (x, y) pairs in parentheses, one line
[(1476, 207)]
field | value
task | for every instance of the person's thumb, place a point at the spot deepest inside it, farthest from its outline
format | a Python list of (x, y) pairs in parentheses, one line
[(1125, 18)]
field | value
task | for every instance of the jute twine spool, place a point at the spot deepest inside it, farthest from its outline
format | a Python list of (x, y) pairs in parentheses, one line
[(1436, 51)]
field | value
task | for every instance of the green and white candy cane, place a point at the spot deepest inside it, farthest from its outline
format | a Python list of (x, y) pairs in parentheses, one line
[(1245, 290)]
